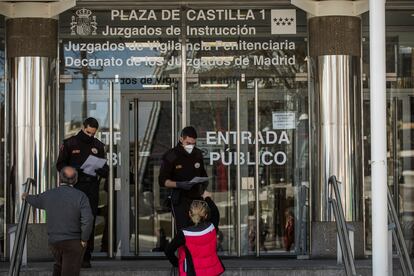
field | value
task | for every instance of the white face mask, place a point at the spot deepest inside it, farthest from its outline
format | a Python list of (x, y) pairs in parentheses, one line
[(189, 148)]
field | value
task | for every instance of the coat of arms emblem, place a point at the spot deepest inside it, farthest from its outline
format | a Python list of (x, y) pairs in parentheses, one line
[(83, 23)]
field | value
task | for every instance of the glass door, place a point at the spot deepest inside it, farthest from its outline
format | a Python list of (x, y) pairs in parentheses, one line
[(212, 111), (279, 116), (263, 205), (400, 125), (401, 156), (149, 121), (98, 98)]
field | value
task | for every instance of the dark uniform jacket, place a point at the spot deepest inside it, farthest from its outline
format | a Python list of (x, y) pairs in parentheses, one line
[(73, 152), (178, 165)]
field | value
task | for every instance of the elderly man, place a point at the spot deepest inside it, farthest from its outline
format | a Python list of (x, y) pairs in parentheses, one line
[(69, 222)]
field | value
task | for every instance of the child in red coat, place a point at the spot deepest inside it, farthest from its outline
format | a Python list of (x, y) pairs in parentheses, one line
[(197, 254)]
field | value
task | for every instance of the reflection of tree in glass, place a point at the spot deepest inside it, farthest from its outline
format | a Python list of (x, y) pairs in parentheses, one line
[(85, 72)]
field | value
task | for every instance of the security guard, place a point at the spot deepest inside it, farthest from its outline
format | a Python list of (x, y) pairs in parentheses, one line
[(180, 165), (73, 152)]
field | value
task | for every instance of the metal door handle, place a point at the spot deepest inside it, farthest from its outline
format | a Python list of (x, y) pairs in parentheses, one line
[(238, 169), (256, 166), (111, 171)]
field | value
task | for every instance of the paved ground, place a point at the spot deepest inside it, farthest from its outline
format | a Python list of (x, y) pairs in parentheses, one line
[(242, 267)]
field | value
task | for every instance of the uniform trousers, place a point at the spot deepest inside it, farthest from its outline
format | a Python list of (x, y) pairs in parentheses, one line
[(90, 186), (180, 212)]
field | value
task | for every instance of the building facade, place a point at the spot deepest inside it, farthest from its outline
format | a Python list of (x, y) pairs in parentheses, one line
[(278, 92)]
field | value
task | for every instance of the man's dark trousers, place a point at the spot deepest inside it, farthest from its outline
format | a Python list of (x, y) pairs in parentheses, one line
[(90, 186), (180, 212), (68, 257)]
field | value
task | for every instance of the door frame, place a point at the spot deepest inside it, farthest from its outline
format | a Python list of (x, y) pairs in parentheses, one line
[(165, 95), (123, 195)]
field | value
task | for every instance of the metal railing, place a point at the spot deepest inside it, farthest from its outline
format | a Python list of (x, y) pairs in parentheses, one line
[(20, 236), (342, 228), (397, 236)]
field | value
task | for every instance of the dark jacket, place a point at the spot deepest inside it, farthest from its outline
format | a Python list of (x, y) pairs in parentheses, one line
[(178, 165), (69, 215), (75, 150)]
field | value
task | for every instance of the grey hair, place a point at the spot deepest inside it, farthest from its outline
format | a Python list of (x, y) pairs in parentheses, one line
[(64, 178)]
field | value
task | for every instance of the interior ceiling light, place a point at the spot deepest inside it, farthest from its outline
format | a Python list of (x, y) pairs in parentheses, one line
[(223, 58), (143, 59), (156, 85), (218, 43), (214, 85), (143, 44)]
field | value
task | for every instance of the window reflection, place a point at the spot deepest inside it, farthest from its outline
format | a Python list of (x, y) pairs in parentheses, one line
[(400, 95)]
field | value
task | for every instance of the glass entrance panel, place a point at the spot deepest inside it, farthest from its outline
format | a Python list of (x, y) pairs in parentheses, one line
[(400, 125), (211, 64), (283, 165), (212, 113), (278, 63), (85, 98), (147, 119), (400, 163), (283, 169)]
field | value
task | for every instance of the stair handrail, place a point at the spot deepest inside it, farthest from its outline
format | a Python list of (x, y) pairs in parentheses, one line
[(342, 228), (20, 236), (398, 237)]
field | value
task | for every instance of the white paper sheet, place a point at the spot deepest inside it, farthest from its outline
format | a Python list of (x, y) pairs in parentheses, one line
[(92, 163), (199, 179)]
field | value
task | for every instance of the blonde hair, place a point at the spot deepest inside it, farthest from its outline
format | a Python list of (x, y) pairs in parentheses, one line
[(199, 211)]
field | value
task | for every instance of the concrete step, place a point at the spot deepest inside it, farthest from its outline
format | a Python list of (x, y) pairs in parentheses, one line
[(234, 267)]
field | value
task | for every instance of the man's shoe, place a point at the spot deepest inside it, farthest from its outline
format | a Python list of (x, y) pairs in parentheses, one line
[(86, 264)]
